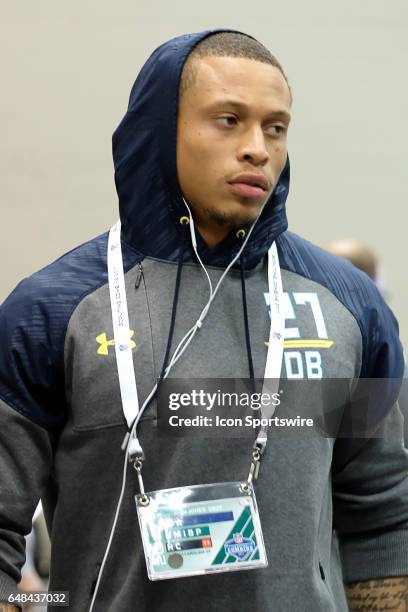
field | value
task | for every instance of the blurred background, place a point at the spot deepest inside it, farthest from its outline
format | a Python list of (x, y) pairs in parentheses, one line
[(67, 70)]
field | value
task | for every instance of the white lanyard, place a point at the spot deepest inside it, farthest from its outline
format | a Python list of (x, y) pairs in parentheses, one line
[(121, 331), (274, 356)]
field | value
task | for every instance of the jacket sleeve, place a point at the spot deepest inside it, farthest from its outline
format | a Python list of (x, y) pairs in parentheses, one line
[(31, 409), (370, 497), (370, 475), (26, 460)]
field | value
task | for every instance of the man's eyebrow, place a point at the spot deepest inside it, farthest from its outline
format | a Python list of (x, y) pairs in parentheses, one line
[(275, 114)]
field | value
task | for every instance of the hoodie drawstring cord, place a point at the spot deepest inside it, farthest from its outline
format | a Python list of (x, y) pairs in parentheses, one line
[(240, 235), (184, 221)]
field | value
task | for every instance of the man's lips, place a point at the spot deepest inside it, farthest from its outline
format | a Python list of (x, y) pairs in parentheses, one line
[(247, 191), (250, 185)]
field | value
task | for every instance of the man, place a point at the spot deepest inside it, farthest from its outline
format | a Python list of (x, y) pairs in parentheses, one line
[(205, 130), (360, 255)]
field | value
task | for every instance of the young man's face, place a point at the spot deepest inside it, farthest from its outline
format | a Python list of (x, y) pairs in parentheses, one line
[(232, 121)]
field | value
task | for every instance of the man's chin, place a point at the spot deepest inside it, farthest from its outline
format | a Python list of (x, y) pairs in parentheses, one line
[(236, 216)]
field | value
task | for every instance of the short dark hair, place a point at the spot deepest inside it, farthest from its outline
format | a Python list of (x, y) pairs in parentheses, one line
[(227, 44)]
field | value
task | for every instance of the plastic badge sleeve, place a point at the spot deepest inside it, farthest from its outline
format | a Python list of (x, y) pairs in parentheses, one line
[(201, 529)]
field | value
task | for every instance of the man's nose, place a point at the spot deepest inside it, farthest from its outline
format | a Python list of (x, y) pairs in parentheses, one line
[(253, 147)]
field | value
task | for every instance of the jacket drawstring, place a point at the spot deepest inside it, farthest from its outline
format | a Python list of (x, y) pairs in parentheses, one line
[(184, 221), (240, 235)]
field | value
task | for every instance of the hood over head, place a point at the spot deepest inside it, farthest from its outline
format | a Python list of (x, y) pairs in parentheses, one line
[(144, 154)]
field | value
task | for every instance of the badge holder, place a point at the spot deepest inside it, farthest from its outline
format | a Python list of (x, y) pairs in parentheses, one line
[(202, 529)]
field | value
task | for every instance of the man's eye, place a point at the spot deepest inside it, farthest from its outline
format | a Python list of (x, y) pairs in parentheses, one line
[(227, 120), (276, 130)]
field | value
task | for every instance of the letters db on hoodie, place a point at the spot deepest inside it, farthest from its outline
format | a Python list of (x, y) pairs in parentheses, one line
[(63, 424)]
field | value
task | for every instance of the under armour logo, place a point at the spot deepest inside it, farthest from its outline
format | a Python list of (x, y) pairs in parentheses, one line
[(102, 339)]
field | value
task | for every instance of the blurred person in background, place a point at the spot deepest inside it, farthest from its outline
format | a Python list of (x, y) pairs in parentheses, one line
[(360, 255), (30, 579), (35, 571)]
